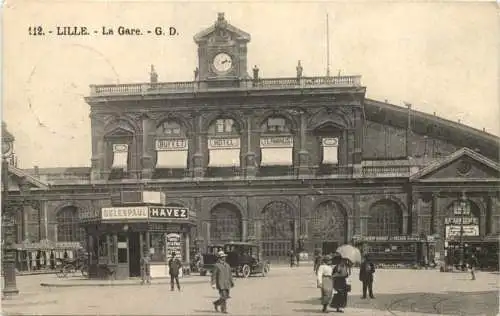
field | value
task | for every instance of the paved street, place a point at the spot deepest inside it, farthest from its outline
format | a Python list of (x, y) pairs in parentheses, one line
[(284, 291)]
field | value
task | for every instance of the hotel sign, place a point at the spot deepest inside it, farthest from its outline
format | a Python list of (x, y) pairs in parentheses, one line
[(171, 144), (116, 213), (277, 141), (169, 212), (223, 143)]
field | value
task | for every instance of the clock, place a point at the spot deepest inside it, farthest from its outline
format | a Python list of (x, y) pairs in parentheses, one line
[(223, 62)]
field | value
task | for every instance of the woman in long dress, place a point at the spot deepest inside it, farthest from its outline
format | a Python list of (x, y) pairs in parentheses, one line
[(340, 274), (325, 282)]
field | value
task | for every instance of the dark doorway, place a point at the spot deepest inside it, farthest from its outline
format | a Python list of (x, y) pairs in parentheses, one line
[(134, 250), (329, 247)]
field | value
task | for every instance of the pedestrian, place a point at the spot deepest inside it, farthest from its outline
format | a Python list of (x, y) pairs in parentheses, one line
[(366, 272), (222, 280), (340, 274), (145, 268), (473, 263), (297, 256), (174, 265), (317, 262), (325, 282), (292, 258)]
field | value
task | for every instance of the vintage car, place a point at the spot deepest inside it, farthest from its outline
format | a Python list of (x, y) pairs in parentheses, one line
[(243, 257)]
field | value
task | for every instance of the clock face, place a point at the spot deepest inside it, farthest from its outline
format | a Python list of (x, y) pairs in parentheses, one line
[(223, 62)]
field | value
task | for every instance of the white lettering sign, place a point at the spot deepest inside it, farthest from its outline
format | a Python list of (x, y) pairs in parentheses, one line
[(225, 143), (171, 144), (120, 148), (140, 212), (278, 141), (457, 220), (469, 230), (168, 212)]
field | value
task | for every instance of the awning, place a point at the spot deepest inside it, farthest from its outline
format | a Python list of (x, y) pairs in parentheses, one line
[(172, 159), (224, 158), (330, 150), (120, 156), (276, 156)]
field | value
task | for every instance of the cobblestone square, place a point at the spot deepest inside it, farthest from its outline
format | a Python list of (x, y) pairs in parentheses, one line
[(285, 291)]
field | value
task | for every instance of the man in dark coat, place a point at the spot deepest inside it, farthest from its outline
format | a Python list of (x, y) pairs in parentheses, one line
[(473, 263), (222, 280), (174, 265), (366, 272)]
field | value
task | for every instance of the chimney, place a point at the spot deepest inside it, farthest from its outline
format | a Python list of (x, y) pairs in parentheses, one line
[(37, 171)]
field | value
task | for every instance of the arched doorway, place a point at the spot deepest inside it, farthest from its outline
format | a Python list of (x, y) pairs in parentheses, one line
[(225, 223), (68, 226), (328, 226), (277, 231), (386, 219)]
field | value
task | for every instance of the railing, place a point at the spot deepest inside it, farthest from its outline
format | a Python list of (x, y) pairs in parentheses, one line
[(388, 171), (247, 84)]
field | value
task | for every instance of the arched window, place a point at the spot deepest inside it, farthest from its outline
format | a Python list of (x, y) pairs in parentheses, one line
[(276, 125), (225, 223), (68, 228), (385, 219), (169, 129), (172, 147), (276, 146), (224, 147)]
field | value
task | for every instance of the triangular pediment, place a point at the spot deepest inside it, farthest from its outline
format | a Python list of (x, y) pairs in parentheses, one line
[(223, 31), (18, 177), (463, 165), (120, 132)]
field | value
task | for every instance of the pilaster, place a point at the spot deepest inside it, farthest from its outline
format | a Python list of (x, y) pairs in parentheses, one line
[(244, 229), (147, 147), (304, 168), (364, 224), (198, 156), (250, 165)]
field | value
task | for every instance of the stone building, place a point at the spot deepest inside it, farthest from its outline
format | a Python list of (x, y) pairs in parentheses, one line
[(290, 163)]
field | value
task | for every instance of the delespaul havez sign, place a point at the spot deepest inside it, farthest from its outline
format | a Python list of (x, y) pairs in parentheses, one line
[(144, 212)]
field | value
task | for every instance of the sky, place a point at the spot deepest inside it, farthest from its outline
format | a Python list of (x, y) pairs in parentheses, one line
[(441, 57)]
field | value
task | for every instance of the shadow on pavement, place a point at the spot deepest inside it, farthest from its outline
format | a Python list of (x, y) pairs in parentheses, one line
[(449, 303)]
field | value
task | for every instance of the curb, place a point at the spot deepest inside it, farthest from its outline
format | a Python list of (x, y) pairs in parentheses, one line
[(83, 284)]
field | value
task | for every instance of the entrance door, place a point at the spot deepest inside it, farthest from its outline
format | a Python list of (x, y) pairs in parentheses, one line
[(329, 247), (134, 250)]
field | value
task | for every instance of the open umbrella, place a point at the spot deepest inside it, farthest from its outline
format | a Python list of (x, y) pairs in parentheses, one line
[(350, 252)]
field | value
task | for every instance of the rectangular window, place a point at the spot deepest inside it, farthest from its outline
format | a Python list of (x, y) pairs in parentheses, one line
[(157, 242)]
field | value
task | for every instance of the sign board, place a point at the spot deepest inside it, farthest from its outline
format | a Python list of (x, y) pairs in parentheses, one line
[(223, 143), (171, 144), (89, 214), (169, 212), (465, 220), (469, 230), (173, 244), (115, 213), (390, 238), (330, 142), (153, 197), (279, 141)]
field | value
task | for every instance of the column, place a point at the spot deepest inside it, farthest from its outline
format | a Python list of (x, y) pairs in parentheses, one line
[(147, 140), (357, 216), (251, 169), (198, 156), (491, 214), (414, 212), (244, 230), (364, 225), (186, 249), (350, 228), (303, 153), (26, 211), (148, 241), (358, 138), (258, 234), (436, 216), (44, 226)]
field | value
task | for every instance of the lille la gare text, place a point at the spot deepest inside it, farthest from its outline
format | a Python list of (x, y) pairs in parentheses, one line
[(104, 30)]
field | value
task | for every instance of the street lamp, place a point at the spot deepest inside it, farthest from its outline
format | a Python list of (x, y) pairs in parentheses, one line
[(9, 252)]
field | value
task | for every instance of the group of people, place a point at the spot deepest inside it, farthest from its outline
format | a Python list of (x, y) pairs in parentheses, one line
[(333, 278)]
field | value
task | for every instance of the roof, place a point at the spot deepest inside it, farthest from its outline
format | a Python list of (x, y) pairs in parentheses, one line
[(31, 179), (222, 23)]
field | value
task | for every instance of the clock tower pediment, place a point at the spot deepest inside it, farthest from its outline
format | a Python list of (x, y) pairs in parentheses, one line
[(222, 52)]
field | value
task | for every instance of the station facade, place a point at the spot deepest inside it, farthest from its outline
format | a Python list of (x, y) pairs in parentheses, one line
[(290, 163)]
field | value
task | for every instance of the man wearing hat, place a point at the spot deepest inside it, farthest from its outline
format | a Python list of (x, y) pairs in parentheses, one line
[(174, 265), (222, 280)]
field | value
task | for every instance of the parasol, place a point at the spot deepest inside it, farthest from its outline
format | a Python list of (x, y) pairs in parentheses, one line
[(350, 252)]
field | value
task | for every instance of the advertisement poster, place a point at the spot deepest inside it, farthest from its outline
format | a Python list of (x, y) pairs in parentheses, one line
[(173, 244)]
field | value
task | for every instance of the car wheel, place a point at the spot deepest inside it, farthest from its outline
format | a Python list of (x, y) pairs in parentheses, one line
[(245, 271)]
